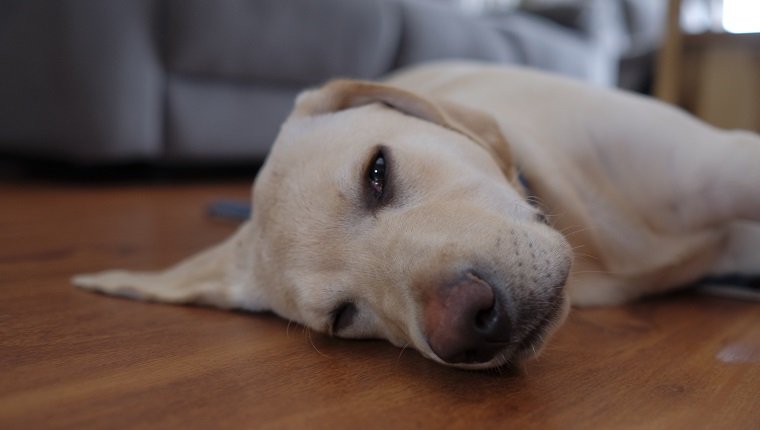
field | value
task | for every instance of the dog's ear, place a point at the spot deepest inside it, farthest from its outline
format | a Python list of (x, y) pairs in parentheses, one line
[(220, 276), (343, 94)]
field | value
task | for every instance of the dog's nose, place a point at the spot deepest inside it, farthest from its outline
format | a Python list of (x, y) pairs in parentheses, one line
[(466, 321)]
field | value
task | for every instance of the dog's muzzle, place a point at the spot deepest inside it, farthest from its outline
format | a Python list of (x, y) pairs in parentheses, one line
[(468, 321)]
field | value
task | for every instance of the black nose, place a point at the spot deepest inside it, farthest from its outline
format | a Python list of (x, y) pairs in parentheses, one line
[(466, 321)]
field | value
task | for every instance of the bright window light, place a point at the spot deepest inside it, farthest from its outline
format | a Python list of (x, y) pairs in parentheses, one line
[(741, 16)]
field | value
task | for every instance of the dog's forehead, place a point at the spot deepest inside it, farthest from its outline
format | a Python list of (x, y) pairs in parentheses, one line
[(338, 143), (312, 156), (313, 169), (347, 130)]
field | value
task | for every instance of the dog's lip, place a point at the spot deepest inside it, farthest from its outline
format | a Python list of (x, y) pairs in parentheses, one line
[(529, 341), (535, 336)]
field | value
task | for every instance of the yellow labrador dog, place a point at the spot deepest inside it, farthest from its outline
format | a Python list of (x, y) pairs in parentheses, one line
[(443, 209)]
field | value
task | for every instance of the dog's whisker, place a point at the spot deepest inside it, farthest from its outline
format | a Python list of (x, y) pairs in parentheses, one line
[(554, 214), (287, 328), (505, 360), (572, 231), (586, 256), (494, 371), (311, 341), (403, 348), (585, 272), (570, 227)]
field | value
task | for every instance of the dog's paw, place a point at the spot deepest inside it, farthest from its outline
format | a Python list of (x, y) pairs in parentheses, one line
[(114, 282)]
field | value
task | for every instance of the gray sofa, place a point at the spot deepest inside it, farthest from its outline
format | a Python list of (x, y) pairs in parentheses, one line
[(95, 81)]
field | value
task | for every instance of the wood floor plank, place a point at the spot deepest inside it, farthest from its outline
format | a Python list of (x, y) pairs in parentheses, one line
[(72, 359)]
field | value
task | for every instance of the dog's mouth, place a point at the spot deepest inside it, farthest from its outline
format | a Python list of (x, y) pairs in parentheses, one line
[(532, 343)]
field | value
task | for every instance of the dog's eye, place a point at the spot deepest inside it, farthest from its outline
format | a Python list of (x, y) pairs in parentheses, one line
[(376, 175), (343, 316)]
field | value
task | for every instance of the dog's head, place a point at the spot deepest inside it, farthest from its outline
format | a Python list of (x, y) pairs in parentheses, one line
[(383, 214)]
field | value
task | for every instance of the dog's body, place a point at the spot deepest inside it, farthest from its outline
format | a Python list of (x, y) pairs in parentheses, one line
[(395, 211), (644, 192)]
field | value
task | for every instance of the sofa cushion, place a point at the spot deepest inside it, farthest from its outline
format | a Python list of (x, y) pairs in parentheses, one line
[(295, 41), (439, 31), (212, 120)]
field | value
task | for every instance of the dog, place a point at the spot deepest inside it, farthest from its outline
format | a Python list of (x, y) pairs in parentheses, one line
[(459, 208)]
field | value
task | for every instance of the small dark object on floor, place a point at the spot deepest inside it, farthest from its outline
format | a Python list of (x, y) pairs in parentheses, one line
[(230, 209), (742, 287)]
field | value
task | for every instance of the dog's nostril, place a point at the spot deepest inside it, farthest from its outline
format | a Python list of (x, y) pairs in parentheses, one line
[(484, 318)]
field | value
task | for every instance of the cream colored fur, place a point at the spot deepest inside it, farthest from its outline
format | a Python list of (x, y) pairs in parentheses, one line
[(640, 196)]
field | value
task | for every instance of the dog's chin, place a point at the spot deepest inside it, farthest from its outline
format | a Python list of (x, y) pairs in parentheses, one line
[(529, 347)]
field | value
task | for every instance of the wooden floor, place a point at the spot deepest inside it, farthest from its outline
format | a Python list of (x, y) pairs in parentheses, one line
[(72, 359)]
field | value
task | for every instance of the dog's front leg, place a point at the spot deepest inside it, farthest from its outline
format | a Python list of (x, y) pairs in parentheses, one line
[(721, 186), (675, 190), (724, 180), (219, 276), (683, 175)]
